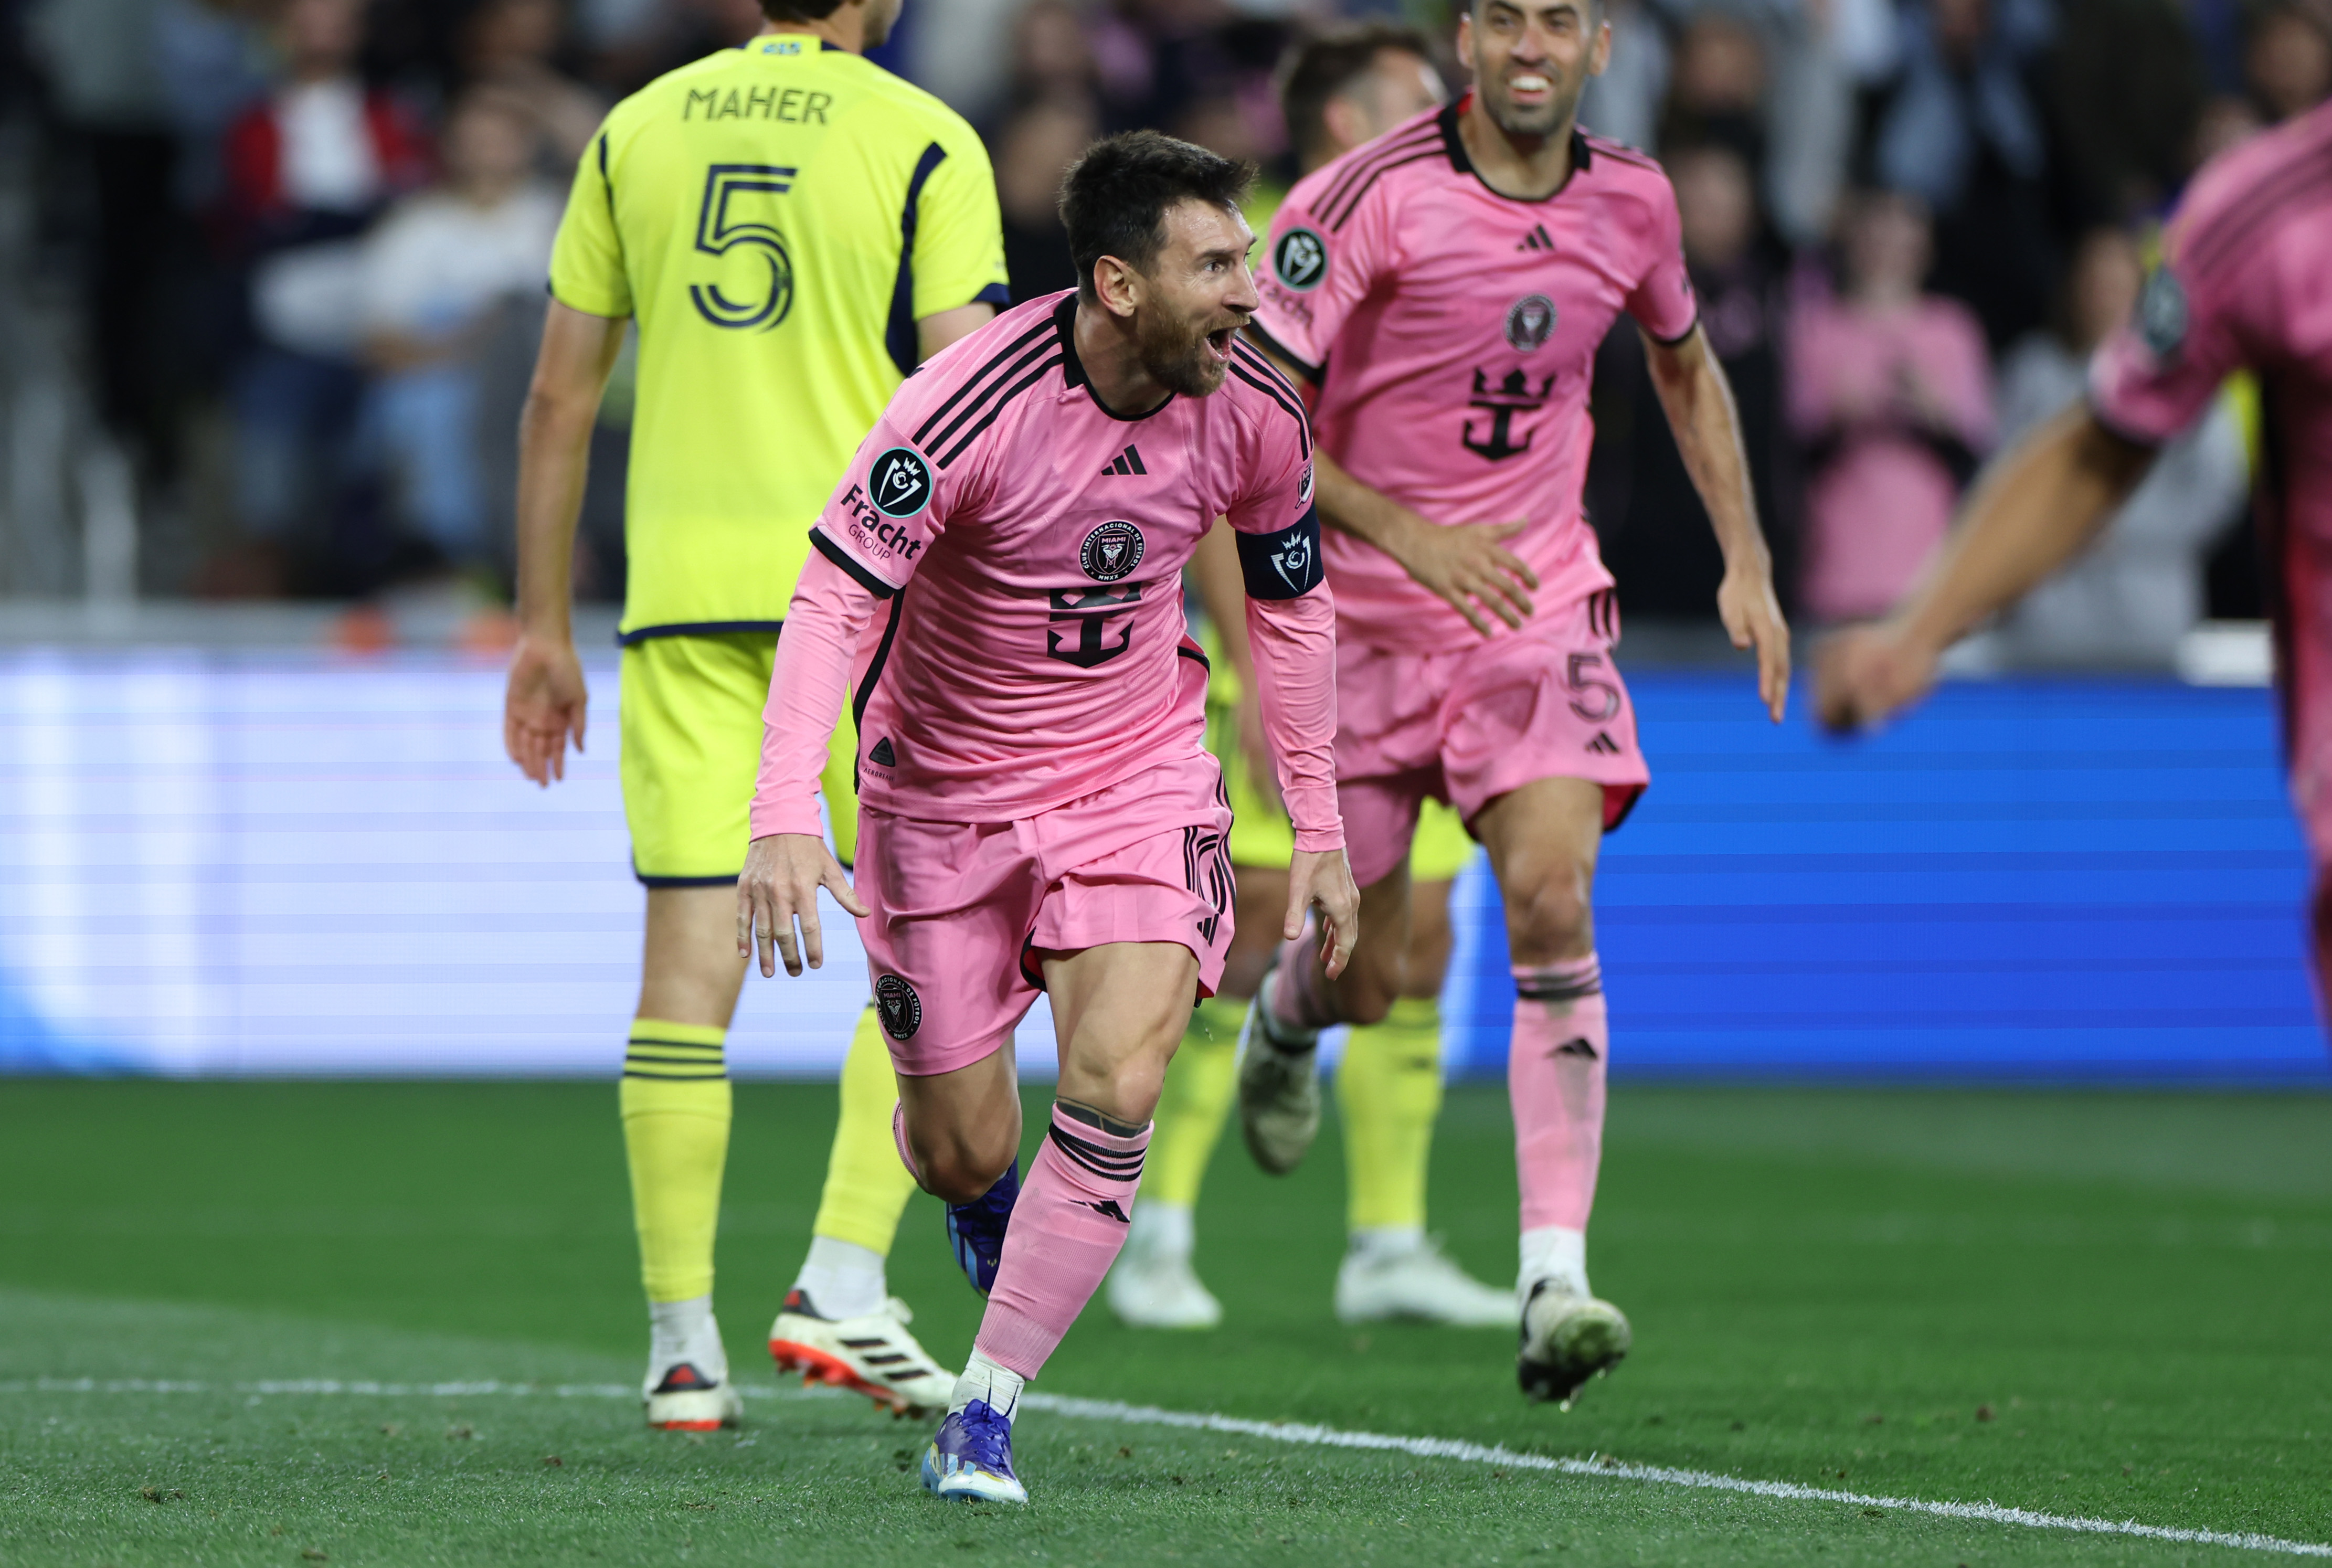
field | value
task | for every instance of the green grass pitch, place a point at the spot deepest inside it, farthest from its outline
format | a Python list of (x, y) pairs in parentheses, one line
[(2112, 1306)]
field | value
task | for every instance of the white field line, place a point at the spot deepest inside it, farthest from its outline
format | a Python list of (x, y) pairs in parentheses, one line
[(1454, 1448)]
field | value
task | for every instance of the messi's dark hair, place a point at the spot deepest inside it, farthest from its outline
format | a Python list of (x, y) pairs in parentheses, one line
[(1320, 68), (799, 10), (1113, 199)]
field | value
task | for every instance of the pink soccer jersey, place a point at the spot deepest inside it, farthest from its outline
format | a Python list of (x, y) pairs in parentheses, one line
[(1023, 548), (2246, 282), (1452, 332)]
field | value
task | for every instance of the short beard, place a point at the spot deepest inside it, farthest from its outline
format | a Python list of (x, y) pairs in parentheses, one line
[(1176, 360), (1531, 122)]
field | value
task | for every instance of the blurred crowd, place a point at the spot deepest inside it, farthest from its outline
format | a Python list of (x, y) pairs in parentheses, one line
[(306, 241)]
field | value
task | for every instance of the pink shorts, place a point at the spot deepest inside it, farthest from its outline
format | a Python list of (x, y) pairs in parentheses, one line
[(962, 910), (1467, 726)]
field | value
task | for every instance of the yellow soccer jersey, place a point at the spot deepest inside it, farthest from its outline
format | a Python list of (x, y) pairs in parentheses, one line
[(777, 218)]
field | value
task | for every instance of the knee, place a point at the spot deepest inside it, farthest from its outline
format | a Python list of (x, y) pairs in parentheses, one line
[(1550, 917), (961, 1169), (1366, 990)]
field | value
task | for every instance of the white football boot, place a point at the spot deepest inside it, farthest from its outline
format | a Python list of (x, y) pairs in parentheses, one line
[(687, 1389), (1412, 1278), (1279, 1090), (874, 1355), (1568, 1337), (1153, 1284)]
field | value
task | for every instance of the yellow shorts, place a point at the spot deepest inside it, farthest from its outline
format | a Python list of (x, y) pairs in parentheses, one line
[(1261, 834), (691, 716)]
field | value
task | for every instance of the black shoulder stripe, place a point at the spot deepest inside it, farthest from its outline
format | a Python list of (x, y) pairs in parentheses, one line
[(1244, 350), (1352, 203), (1311, 372), (1368, 158), (986, 396), (996, 405), (1620, 150), (973, 380), (849, 563), (1290, 406), (2269, 198)]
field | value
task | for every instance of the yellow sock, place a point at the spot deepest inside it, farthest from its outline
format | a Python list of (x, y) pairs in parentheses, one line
[(867, 1186), (1390, 1091), (676, 1108), (1193, 1102)]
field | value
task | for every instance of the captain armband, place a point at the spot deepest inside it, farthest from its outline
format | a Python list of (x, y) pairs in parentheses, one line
[(1285, 564)]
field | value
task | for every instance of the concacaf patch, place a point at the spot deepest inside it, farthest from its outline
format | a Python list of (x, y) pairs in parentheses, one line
[(2161, 314), (1300, 259)]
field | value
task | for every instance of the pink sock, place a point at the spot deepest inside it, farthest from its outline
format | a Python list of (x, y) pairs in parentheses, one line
[(899, 1136), (1555, 1075), (1299, 996), (1066, 1230)]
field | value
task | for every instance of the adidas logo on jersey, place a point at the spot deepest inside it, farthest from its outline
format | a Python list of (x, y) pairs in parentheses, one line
[(1128, 462), (1603, 745), (1538, 239)]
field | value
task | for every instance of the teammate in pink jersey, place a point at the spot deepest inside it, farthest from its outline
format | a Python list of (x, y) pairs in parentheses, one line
[(1444, 288), (1038, 807), (2245, 282)]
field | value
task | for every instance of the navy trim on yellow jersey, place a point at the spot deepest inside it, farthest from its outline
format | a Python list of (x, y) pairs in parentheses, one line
[(849, 563), (997, 294), (900, 339), (644, 880), (695, 629)]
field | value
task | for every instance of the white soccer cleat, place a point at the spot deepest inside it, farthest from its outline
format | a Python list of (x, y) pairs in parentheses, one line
[(1151, 1287), (1278, 1091), (874, 1355), (681, 1397), (1567, 1338), (1421, 1284)]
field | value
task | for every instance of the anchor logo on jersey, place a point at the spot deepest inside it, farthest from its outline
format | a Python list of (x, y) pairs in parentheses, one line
[(1511, 396)]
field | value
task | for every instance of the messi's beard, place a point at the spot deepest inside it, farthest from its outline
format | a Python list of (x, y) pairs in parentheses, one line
[(1174, 353)]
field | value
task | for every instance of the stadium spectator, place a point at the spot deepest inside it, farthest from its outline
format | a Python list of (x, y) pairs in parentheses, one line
[(2140, 586), (437, 273), (1653, 530), (2287, 59), (306, 171), (1958, 126), (511, 45), (1624, 102), (1890, 398), (1033, 150), (2125, 85)]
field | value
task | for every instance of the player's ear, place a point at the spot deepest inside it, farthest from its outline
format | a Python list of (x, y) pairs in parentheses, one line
[(1118, 286), (1600, 55)]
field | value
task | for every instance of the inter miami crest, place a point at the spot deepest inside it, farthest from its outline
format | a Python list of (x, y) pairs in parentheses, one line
[(2161, 314), (1300, 259), (899, 483), (1111, 550), (898, 1006), (1530, 323), (1304, 486)]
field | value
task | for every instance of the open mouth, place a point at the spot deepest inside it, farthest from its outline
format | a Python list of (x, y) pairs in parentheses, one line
[(1219, 343), (1532, 87)]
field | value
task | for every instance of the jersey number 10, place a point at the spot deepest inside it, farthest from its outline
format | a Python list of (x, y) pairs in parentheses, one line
[(719, 234)]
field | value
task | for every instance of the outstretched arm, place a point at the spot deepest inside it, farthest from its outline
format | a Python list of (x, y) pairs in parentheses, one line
[(544, 701), (2042, 502), (1294, 643), (1698, 402), (789, 861)]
